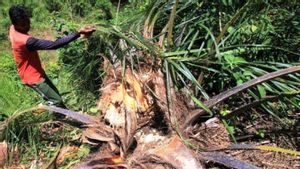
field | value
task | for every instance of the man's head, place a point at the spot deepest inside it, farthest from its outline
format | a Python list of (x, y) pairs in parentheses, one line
[(20, 18)]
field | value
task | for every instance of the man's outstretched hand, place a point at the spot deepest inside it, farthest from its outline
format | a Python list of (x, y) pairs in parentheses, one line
[(87, 30)]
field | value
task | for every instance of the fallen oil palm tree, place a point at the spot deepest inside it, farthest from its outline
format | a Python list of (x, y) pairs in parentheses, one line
[(128, 107)]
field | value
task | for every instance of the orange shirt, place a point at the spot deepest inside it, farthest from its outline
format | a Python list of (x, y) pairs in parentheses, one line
[(28, 62)]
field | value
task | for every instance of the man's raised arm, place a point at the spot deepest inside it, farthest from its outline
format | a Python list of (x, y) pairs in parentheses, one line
[(42, 44)]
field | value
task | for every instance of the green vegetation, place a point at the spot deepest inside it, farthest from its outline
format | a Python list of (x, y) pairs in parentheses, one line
[(203, 47)]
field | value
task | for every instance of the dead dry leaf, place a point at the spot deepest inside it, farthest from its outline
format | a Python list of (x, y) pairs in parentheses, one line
[(17, 167), (102, 162), (3, 154), (66, 152), (102, 133), (176, 153)]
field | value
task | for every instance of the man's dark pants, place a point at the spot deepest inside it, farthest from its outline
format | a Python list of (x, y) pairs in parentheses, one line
[(49, 92)]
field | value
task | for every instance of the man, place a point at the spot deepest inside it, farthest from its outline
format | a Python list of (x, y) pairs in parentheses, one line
[(24, 48)]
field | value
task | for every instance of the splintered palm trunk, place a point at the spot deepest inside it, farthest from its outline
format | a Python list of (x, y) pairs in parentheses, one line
[(131, 102)]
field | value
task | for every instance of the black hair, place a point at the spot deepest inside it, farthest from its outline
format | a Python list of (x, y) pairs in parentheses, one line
[(19, 13)]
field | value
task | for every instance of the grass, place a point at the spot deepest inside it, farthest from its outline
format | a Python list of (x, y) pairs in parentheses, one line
[(13, 94), (28, 133)]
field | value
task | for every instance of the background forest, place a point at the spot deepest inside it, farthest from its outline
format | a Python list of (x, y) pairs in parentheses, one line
[(202, 47)]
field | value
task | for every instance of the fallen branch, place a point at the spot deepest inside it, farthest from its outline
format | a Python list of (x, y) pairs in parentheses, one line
[(194, 115), (83, 118), (95, 130), (255, 103), (226, 160), (259, 147)]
